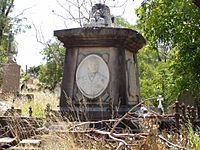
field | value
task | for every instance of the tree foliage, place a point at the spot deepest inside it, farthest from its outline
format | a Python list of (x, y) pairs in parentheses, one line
[(51, 72), (9, 26), (121, 22), (154, 75), (172, 28), (6, 7), (33, 71)]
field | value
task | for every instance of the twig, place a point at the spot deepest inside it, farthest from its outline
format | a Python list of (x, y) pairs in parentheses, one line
[(123, 117), (174, 145), (92, 122), (119, 146), (119, 140), (143, 135)]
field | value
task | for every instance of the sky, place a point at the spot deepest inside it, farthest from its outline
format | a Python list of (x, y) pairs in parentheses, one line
[(39, 15)]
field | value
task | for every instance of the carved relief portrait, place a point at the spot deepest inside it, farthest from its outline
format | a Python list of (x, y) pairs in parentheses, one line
[(92, 76)]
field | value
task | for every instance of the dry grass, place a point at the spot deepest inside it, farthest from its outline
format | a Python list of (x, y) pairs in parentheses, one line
[(54, 141), (39, 103), (69, 137)]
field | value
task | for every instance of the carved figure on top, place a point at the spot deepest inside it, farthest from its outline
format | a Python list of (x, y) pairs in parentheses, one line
[(100, 16)]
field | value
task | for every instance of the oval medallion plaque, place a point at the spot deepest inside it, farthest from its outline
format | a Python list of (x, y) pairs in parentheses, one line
[(92, 76)]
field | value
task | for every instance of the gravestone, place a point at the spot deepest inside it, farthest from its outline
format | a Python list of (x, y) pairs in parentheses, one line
[(11, 71), (186, 98), (197, 2), (100, 79), (11, 78)]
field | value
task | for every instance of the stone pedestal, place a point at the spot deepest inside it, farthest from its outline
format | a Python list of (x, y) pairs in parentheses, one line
[(11, 78), (100, 79)]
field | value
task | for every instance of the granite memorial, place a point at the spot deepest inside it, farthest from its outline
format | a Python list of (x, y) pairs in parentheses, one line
[(100, 79)]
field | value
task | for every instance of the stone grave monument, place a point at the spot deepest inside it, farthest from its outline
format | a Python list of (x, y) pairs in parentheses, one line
[(100, 79), (11, 72), (11, 77)]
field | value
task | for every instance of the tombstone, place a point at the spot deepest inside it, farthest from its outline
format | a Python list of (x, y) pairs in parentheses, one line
[(100, 79), (11, 71), (186, 98), (11, 78), (197, 2)]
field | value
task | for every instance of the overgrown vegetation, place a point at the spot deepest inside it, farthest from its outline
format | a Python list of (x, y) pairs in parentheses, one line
[(168, 66), (6, 7), (51, 73), (172, 31), (81, 135), (9, 26), (39, 103)]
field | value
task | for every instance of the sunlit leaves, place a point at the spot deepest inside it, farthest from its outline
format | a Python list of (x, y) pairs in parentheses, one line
[(51, 72), (177, 25)]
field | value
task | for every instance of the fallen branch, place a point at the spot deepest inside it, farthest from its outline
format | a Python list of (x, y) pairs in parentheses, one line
[(122, 135), (119, 146), (123, 117), (170, 143), (91, 122), (119, 140)]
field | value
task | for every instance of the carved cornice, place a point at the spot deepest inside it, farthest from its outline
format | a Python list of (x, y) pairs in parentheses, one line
[(101, 37)]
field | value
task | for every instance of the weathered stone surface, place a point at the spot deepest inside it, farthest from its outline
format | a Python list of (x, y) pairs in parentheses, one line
[(117, 89), (132, 78), (11, 78), (101, 37), (100, 16)]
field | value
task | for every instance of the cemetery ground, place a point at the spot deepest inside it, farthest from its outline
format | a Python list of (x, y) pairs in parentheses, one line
[(54, 132)]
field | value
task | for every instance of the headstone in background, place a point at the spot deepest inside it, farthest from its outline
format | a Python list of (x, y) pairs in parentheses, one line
[(11, 78), (186, 98), (197, 2)]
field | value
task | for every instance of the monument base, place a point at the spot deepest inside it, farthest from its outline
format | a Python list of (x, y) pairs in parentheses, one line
[(94, 113)]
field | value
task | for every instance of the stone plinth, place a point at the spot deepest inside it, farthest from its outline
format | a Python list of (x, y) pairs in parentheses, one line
[(100, 79), (11, 78)]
